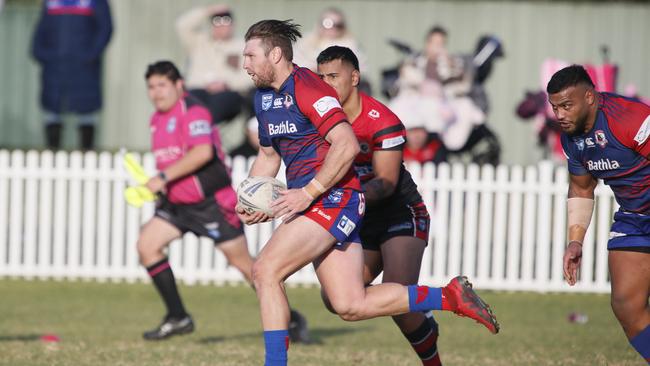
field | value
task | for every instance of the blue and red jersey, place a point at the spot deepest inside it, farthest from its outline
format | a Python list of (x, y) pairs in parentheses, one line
[(295, 119), (173, 134), (616, 150)]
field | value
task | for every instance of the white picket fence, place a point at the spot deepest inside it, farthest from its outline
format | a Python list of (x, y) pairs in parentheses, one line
[(63, 216)]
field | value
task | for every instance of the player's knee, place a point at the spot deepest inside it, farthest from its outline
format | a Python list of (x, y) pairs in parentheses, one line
[(348, 310), (625, 308), (145, 250), (263, 274), (326, 302)]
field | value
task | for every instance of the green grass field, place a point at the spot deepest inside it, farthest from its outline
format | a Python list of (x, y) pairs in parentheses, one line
[(101, 324)]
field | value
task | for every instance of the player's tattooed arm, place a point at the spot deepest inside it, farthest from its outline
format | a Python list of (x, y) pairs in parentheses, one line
[(377, 189), (386, 166)]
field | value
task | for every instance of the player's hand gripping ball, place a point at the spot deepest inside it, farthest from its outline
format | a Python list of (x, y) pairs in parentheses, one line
[(255, 194)]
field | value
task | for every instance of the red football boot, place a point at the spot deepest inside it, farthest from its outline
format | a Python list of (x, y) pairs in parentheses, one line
[(463, 301)]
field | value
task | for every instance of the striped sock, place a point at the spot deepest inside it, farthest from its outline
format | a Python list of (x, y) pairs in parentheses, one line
[(276, 343), (423, 340), (163, 278), (641, 343)]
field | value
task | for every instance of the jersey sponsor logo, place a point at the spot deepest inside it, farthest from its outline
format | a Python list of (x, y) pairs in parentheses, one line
[(285, 101), (615, 234), (171, 125), (374, 114), (346, 225), (603, 164), (326, 104), (282, 128), (267, 100), (167, 153), (589, 142), (580, 143), (200, 127), (643, 132), (601, 140), (362, 204), (422, 224), (322, 213), (213, 230), (392, 142)]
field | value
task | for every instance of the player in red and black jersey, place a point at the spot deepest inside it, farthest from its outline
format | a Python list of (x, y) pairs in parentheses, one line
[(395, 228)]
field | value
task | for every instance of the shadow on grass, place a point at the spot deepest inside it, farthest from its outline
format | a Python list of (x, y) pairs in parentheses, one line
[(20, 337), (317, 335)]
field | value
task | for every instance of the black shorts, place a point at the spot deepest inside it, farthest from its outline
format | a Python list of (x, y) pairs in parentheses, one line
[(632, 249), (217, 221), (383, 223)]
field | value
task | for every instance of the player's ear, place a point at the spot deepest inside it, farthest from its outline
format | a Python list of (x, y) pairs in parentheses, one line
[(356, 77), (590, 96), (275, 54)]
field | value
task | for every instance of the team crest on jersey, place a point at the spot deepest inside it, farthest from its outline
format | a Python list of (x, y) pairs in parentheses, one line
[(601, 140), (267, 100), (171, 125), (288, 101), (373, 114), (335, 196)]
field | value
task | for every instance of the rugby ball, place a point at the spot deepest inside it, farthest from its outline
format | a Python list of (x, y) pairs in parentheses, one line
[(255, 194)]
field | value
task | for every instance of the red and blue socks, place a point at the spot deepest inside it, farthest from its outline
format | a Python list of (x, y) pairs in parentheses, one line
[(641, 343), (424, 298), (276, 343), (163, 278)]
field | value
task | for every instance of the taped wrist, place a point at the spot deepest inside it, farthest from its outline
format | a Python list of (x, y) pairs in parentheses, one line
[(579, 211), (314, 188)]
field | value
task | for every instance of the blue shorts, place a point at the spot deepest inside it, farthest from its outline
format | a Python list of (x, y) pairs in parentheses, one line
[(629, 230), (339, 211)]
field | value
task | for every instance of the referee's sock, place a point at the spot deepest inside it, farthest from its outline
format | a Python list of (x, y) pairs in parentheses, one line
[(641, 343), (424, 341), (276, 343), (163, 278)]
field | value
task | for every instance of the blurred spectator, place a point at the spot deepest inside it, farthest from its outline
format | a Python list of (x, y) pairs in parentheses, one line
[(251, 143), (331, 30), (423, 146), (69, 41), (434, 90), (214, 72)]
